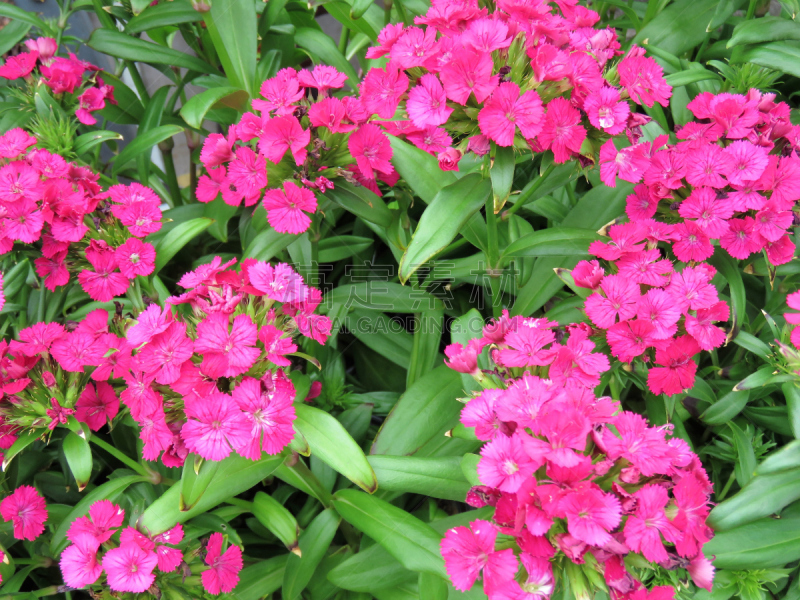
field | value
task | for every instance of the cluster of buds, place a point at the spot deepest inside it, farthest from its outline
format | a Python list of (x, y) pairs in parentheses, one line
[(583, 492), (57, 212), (76, 81)]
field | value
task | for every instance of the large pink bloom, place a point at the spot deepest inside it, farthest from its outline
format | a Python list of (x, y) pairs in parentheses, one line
[(226, 353), (562, 132), (644, 528), (129, 568), (270, 414), (79, 565), (506, 110), (97, 407), (215, 424), (27, 510), (591, 514), (102, 522), (371, 149), (468, 551), (283, 134), (287, 208), (223, 573), (427, 102)]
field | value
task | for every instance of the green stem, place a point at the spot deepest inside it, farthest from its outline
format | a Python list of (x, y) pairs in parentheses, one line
[(751, 10), (343, 39), (40, 308), (121, 456), (138, 82), (137, 290), (315, 235), (172, 177), (528, 191), (493, 257), (387, 12), (239, 503)]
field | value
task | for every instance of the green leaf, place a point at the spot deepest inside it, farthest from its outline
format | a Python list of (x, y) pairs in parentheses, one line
[(339, 247), (384, 296), (757, 379), (690, 76), (556, 241), (778, 56), (274, 516), (752, 344), (745, 455), (792, 395), (361, 202), (177, 238), (233, 28), (432, 587), (502, 174), (321, 45), (763, 496), (679, 27), (79, 458), (729, 269), (763, 544), (87, 141), (127, 47), (234, 475), (19, 14), (427, 409), (143, 143), (330, 442), (110, 490), (419, 169), (22, 442), (13, 33), (428, 328), (784, 459), (195, 110), (414, 543), (382, 335), (765, 29), (314, 543), (195, 479), (724, 10), (267, 244), (434, 477), (161, 15), (220, 213), (359, 8), (301, 477), (374, 568), (260, 579), (726, 408), (447, 213)]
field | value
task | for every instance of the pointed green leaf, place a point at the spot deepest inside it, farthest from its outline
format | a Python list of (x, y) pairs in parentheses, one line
[(128, 47), (87, 141), (195, 110), (144, 143), (419, 169), (434, 477), (162, 15), (79, 458), (177, 238), (274, 516), (195, 482), (330, 442), (233, 28)]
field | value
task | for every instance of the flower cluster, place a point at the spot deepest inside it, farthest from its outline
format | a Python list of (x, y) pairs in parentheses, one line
[(521, 75), (577, 484), (134, 562), (732, 177), (204, 375), (60, 207), (64, 76), (198, 376), (645, 306)]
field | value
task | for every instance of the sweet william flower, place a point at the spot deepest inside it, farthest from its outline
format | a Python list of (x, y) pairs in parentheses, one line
[(226, 353), (26, 509), (371, 149), (97, 406), (281, 135), (469, 550), (79, 564), (678, 369), (506, 110), (214, 425), (102, 522), (562, 132), (270, 414), (129, 568), (223, 572), (382, 89), (135, 257), (427, 102), (643, 78), (287, 208)]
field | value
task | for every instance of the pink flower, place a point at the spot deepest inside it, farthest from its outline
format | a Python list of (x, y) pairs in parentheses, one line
[(248, 173), (280, 283), (322, 77), (285, 208), (214, 424), (129, 568), (20, 65), (27, 510), (427, 102), (103, 520), (76, 350), (505, 462), (701, 326), (469, 550), (691, 242), (270, 414), (479, 413), (382, 89), (606, 111), (562, 132), (371, 149), (163, 356), (97, 407), (276, 345), (37, 338), (469, 73), (78, 563), (283, 134), (223, 573), (155, 432), (747, 162), (281, 93), (449, 159), (226, 353), (643, 78), (104, 283), (644, 528), (678, 369), (135, 258), (621, 299), (526, 347), (506, 110), (591, 514), (629, 339), (464, 359)]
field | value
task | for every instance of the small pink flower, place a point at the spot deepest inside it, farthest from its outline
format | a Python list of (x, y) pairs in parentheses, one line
[(562, 132), (226, 353), (103, 520), (372, 151), (215, 424), (97, 407), (506, 110), (79, 565), (223, 573), (129, 568), (283, 134), (270, 414), (27, 510), (468, 551), (427, 102), (135, 258), (286, 208)]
